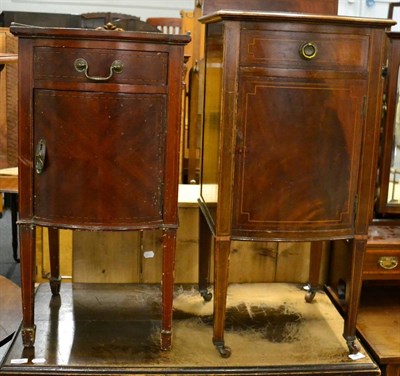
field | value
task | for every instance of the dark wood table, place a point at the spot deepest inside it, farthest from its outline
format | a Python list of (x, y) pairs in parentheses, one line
[(99, 128), (291, 135)]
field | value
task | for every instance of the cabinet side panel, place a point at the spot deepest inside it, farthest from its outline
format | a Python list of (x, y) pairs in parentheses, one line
[(212, 117)]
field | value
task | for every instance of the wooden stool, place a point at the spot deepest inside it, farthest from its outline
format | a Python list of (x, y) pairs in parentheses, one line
[(9, 185)]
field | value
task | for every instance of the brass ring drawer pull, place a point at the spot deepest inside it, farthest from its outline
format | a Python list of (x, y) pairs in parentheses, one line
[(81, 65), (308, 51), (388, 262)]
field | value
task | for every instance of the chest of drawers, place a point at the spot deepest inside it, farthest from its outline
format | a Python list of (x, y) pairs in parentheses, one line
[(290, 138), (382, 258), (98, 142)]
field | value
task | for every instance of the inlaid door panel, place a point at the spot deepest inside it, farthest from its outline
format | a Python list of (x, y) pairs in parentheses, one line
[(302, 160), (114, 157)]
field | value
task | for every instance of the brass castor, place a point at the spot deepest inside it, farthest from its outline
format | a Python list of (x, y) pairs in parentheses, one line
[(353, 347), (223, 350), (310, 295), (28, 336), (207, 296), (55, 285)]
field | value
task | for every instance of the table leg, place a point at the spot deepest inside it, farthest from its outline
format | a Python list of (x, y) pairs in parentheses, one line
[(221, 272), (353, 292), (205, 239), (168, 267), (54, 248), (27, 235), (315, 268)]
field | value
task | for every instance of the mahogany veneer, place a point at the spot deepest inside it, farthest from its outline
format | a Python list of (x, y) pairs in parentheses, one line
[(98, 143), (290, 142)]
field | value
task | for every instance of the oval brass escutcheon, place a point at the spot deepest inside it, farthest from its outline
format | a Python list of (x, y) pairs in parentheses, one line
[(308, 51), (388, 262), (40, 156)]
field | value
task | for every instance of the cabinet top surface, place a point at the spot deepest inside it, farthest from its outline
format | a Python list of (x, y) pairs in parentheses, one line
[(384, 234), (237, 15), (27, 31)]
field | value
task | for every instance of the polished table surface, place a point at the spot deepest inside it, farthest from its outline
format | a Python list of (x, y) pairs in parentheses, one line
[(10, 311), (89, 330)]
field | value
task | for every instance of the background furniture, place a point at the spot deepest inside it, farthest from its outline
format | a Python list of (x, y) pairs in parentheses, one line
[(9, 186), (167, 25), (388, 194), (8, 101), (304, 172), (84, 20), (8, 68), (111, 137), (301, 6), (8, 180)]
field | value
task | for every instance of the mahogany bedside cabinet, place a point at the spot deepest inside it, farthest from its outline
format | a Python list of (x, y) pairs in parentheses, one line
[(290, 138), (98, 143)]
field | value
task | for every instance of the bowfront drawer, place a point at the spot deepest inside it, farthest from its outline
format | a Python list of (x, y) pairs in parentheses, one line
[(101, 65), (304, 50), (382, 263)]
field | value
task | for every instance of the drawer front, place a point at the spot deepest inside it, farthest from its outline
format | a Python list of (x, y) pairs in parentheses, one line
[(138, 67), (382, 264), (304, 50)]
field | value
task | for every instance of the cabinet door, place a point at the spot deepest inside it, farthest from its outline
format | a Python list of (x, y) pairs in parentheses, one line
[(104, 155), (297, 155)]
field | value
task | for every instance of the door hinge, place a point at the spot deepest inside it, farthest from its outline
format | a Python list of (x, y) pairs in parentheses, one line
[(364, 106)]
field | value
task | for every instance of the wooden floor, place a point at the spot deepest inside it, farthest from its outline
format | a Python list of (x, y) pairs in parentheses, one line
[(97, 329)]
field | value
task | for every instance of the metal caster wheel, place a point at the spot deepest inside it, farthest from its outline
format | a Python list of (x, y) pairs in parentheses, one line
[(224, 351), (310, 295), (55, 285), (207, 296), (353, 348)]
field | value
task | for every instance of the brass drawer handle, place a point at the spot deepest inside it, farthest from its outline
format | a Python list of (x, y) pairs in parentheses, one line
[(308, 51), (40, 156), (81, 65), (388, 262)]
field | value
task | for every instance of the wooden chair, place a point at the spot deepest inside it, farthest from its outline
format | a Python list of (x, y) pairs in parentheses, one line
[(9, 186), (167, 25)]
